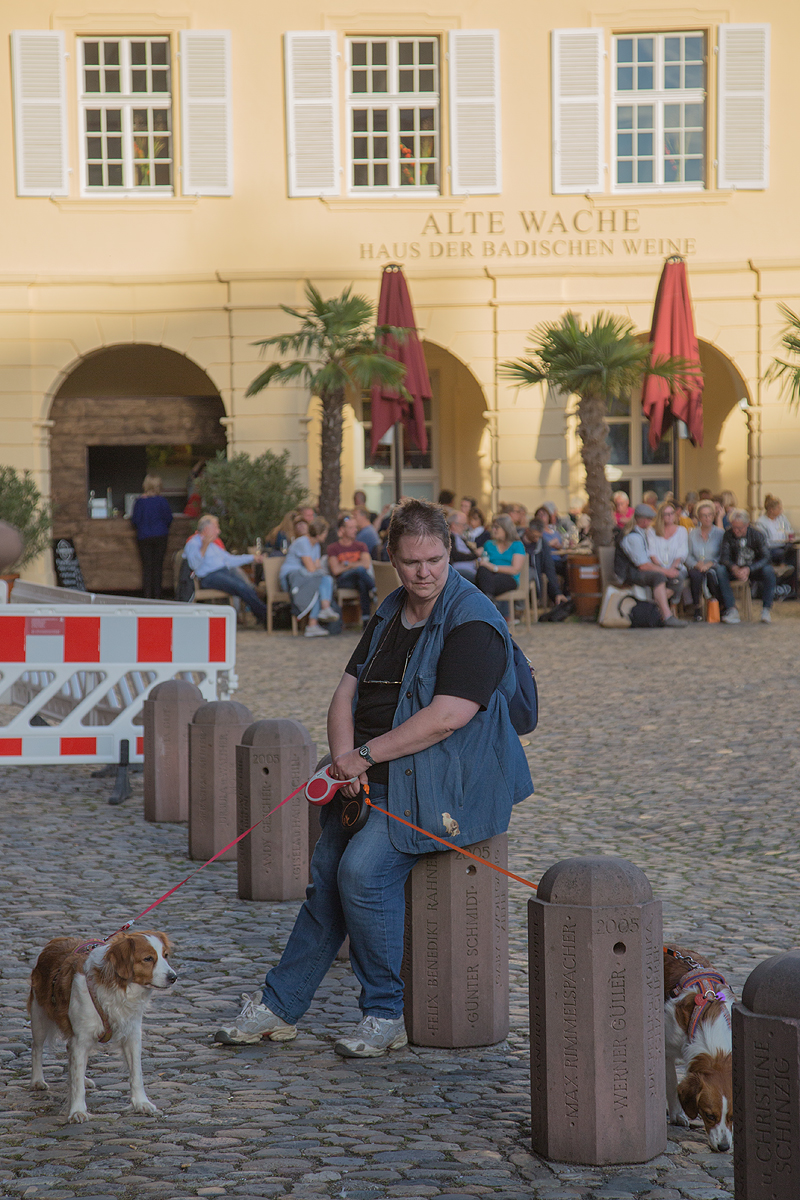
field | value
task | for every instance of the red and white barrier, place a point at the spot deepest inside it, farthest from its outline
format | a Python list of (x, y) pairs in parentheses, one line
[(73, 679)]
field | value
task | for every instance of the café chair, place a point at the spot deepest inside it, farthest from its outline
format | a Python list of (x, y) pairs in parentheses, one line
[(270, 589)]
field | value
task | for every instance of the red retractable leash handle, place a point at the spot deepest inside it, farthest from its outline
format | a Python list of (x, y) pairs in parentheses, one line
[(319, 790)]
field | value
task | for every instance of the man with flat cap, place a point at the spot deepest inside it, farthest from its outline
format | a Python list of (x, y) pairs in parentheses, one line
[(637, 549)]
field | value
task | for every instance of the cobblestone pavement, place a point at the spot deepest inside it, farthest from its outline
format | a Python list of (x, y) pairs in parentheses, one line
[(677, 750)]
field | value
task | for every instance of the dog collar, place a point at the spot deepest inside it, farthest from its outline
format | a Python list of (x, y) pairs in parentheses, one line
[(709, 985)]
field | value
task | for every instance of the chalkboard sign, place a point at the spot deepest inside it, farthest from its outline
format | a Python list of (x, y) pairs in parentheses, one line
[(68, 569)]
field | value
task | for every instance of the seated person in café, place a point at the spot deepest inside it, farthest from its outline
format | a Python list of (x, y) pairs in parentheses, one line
[(280, 538), (504, 558), (670, 542), (478, 533), (518, 514), (365, 530), (744, 556), (556, 543), (634, 564), (360, 501), (350, 564), (541, 560), (705, 543), (777, 529), (466, 504), (622, 509), (651, 498), (215, 568), (464, 555), (304, 577), (446, 498), (728, 501)]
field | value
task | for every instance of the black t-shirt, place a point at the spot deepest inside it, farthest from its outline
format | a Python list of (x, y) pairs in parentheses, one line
[(470, 666)]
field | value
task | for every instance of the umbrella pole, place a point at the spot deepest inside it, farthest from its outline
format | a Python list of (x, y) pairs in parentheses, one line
[(398, 461)]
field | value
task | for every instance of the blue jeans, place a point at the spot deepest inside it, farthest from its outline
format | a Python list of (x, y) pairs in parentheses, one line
[(357, 888), (718, 585), (360, 578), (228, 581), (765, 574)]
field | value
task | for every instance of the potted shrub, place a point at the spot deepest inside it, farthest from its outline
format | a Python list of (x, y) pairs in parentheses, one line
[(22, 505)]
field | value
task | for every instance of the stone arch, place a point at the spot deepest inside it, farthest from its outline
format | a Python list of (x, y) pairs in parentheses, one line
[(120, 412), (723, 459)]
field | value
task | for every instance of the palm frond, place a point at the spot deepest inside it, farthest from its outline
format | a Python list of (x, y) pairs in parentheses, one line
[(786, 373)]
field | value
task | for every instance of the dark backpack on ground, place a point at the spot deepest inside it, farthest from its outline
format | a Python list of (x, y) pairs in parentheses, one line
[(523, 708), (646, 615)]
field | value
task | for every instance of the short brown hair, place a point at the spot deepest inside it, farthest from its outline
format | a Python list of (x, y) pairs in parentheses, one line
[(419, 519)]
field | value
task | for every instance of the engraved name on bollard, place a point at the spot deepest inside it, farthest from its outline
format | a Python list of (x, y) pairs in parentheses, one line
[(766, 1082), (274, 757), (167, 712), (455, 961), (596, 1014), (214, 733)]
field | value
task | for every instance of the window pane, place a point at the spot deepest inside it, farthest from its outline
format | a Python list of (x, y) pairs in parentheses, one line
[(694, 116), (405, 54), (140, 118), (94, 176), (672, 77), (619, 442), (662, 455), (426, 50), (625, 117), (693, 170), (380, 147), (426, 81), (694, 49), (111, 54), (160, 116), (644, 79), (381, 175), (625, 50), (694, 143), (359, 81), (163, 175), (672, 49), (694, 76), (91, 54), (645, 172), (113, 120), (406, 81), (379, 54), (138, 54), (380, 120), (139, 81), (115, 176), (94, 147), (625, 144), (624, 79), (625, 171), (659, 486), (379, 81), (161, 147), (92, 81), (114, 147), (160, 81), (645, 116), (93, 120), (644, 144), (358, 52), (644, 50), (142, 175), (111, 81), (158, 53), (360, 175)]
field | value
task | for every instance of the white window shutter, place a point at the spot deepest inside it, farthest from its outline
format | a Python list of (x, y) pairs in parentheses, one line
[(743, 106), (474, 72), (40, 112), (312, 113), (206, 113), (577, 71)]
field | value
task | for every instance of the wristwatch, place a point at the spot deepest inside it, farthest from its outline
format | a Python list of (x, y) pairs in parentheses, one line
[(365, 754)]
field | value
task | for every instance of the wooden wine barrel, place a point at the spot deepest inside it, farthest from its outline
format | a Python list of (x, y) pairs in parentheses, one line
[(584, 584)]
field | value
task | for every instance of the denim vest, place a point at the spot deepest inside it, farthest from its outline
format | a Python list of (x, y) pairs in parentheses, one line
[(477, 773)]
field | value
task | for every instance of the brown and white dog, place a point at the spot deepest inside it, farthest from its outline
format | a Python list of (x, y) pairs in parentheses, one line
[(697, 1025), (94, 992)]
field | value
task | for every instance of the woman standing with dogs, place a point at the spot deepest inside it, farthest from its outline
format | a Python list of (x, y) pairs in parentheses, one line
[(421, 716)]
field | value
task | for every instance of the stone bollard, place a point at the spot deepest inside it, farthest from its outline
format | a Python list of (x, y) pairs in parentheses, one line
[(167, 712), (598, 1093), (214, 733), (766, 1082), (273, 758), (455, 961)]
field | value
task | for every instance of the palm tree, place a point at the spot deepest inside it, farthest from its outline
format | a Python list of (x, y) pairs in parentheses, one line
[(787, 374), (596, 361), (337, 352)]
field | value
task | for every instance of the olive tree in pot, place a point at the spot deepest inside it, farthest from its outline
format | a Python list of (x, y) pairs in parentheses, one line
[(249, 495), (23, 506), (594, 361)]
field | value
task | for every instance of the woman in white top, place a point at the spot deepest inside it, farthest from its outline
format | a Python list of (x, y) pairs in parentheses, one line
[(775, 525), (670, 543)]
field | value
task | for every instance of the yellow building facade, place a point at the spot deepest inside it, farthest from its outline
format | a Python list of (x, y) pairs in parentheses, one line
[(174, 173)]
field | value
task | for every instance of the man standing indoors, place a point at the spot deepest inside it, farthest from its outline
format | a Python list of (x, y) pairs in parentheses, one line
[(350, 564)]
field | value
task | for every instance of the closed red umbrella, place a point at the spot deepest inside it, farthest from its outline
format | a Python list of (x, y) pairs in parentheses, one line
[(673, 336), (390, 407)]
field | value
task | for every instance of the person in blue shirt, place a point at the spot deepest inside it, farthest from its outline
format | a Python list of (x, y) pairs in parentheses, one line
[(151, 518), (504, 558), (216, 568)]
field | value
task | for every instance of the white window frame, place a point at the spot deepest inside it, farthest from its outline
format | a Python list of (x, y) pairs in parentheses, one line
[(636, 471), (126, 102), (393, 101), (658, 97), (371, 478)]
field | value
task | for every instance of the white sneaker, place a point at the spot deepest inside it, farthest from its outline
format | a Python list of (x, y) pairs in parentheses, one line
[(326, 614), (372, 1037), (766, 616), (255, 1022), (731, 617), (315, 631)]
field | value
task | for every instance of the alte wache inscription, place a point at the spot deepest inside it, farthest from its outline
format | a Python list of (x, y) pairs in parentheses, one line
[(529, 233)]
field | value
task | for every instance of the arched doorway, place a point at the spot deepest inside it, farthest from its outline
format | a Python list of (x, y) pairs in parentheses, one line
[(721, 463), (458, 455), (120, 413)]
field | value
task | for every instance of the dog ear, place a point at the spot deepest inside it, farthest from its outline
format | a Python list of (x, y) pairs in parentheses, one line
[(684, 1009), (166, 943), (688, 1093), (120, 957)]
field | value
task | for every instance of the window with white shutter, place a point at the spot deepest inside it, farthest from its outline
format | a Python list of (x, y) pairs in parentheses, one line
[(312, 113), (578, 112), (206, 121), (743, 106), (475, 112), (40, 118)]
